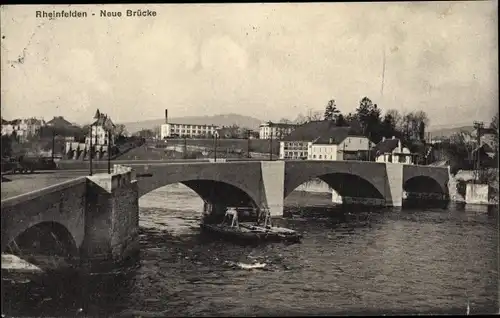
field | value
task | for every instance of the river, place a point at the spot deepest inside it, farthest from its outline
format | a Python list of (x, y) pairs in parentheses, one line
[(369, 262)]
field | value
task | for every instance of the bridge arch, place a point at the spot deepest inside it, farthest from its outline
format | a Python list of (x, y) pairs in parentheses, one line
[(227, 185), (218, 192), (42, 238), (425, 185), (367, 180), (345, 184)]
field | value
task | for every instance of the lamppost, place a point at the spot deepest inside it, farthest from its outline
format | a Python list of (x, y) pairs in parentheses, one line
[(109, 130), (109, 151), (271, 146), (90, 150), (479, 129), (53, 143), (216, 135), (248, 143), (185, 147)]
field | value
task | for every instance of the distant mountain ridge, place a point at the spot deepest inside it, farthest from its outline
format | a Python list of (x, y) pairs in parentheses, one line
[(447, 132), (218, 120)]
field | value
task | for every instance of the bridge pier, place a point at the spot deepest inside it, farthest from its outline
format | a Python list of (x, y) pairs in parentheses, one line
[(394, 186), (272, 187), (111, 217)]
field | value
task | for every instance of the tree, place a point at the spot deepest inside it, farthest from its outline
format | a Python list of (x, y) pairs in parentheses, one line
[(494, 130), (301, 119), (465, 143), (388, 126), (120, 130), (285, 121), (156, 131), (350, 118), (341, 121), (314, 116), (145, 133), (6, 146), (368, 115), (413, 125), (331, 111), (14, 136), (396, 118)]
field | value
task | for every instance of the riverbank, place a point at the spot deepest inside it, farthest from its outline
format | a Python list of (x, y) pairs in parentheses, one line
[(463, 189)]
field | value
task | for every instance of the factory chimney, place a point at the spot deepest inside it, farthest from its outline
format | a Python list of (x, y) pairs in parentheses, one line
[(166, 116)]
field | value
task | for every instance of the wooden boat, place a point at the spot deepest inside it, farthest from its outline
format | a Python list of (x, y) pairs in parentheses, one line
[(279, 233), (230, 228)]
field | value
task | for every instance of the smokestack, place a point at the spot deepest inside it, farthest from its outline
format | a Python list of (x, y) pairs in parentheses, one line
[(166, 116)]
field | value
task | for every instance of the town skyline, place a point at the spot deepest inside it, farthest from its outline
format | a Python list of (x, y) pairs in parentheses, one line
[(243, 58)]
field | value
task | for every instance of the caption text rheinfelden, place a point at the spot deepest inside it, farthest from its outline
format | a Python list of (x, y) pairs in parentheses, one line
[(100, 13)]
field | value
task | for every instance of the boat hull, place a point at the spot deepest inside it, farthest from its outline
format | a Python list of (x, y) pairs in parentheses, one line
[(248, 235)]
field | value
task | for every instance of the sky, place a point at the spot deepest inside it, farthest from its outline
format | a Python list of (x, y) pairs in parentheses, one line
[(267, 61)]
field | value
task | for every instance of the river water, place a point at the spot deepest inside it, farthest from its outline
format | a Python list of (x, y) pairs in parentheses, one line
[(367, 262)]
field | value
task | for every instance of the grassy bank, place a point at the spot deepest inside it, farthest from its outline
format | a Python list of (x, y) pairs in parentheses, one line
[(200, 148), (255, 145)]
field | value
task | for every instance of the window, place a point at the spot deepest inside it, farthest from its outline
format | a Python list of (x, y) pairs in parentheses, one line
[(320, 157)]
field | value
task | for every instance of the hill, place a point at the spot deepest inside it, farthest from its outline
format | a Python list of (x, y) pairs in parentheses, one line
[(219, 120), (447, 132)]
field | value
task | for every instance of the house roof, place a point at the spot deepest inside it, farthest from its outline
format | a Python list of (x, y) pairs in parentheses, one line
[(320, 132), (59, 121), (15, 121), (279, 125), (102, 120), (387, 145)]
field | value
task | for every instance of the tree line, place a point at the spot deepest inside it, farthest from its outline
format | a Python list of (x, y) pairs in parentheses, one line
[(368, 120)]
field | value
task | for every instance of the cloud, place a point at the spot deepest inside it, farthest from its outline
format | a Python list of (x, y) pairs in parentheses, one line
[(261, 60)]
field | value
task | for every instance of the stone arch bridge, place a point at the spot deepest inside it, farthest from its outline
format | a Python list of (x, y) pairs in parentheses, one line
[(98, 215)]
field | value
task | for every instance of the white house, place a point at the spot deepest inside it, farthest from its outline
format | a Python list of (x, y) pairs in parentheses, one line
[(323, 140), (348, 147), (294, 149), (276, 130), (392, 151), (101, 131)]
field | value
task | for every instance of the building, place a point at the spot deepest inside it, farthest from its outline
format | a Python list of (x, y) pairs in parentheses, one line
[(102, 130), (341, 147), (233, 132), (23, 128), (296, 149), (59, 121), (323, 140), (276, 130), (172, 130), (393, 151)]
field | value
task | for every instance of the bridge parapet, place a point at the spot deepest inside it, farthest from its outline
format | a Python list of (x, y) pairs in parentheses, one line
[(62, 203)]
